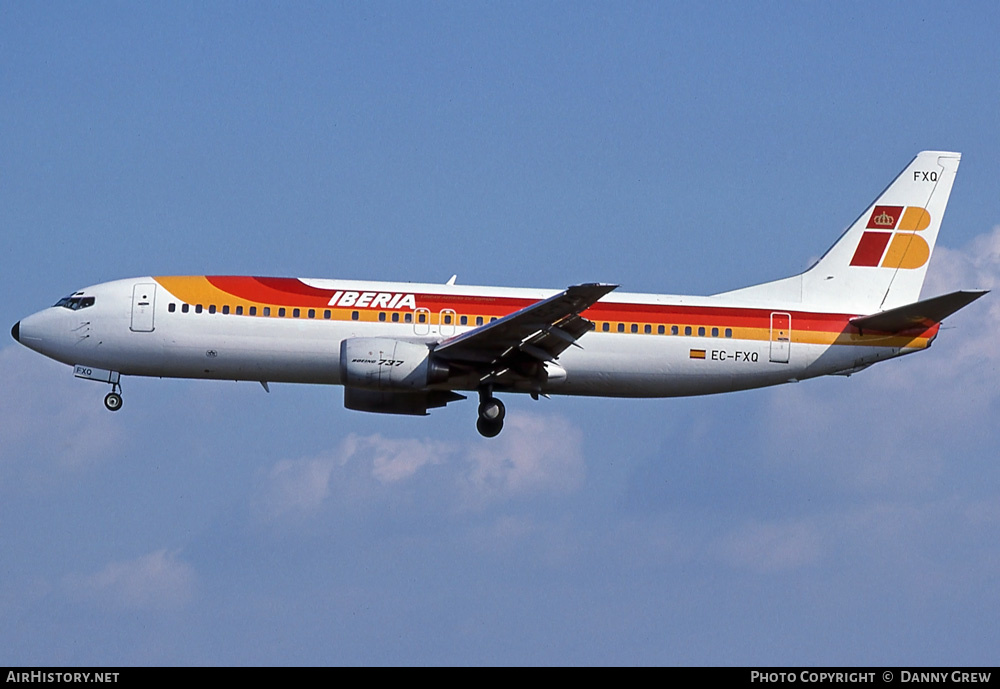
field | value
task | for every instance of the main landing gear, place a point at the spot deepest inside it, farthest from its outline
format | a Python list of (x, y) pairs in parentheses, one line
[(491, 413), (113, 400)]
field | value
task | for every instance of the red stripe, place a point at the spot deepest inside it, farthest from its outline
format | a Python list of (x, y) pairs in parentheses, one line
[(288, 291), (294, 286), (292, 292)]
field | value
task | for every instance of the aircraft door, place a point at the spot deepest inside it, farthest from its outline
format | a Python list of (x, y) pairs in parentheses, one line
[(447, 320), (421, 321), (143, 304), (781, 337)]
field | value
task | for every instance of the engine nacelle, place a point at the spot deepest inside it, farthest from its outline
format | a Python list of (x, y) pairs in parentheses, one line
[(380, 363), (554, 373), (387, 402)]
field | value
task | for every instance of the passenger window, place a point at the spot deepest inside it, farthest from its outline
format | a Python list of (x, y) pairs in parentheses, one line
[(479, 320), (395, 316), (225, 309), (605, 327), (354, 315), (464, 320), (687, 329), (296, 313), (701, 332), (648, 329), (253, 310), (239, 310), (172, 308), (281, 312), (674, 330), (198, 308), (729, 332), (327, 314), (381, 316), (660, 330), (267, 311), (185, 308), (408, 317), (312, 313), (635, 327), (621, 327), (715, 332)]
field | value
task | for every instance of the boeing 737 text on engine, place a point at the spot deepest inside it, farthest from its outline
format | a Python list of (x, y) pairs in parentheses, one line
[(402, 348)]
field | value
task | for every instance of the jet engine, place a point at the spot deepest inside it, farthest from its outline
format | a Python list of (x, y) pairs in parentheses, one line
[(379, 363)]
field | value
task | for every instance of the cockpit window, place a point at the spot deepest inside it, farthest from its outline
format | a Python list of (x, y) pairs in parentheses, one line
[(75, 302)]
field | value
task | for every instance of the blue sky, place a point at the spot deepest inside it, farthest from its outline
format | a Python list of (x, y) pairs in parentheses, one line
[(689, 149)]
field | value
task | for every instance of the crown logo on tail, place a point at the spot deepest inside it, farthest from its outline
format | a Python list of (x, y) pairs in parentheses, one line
[(884, 220)]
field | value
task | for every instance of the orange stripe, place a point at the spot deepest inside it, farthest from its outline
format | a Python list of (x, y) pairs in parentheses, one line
[(746, 324)]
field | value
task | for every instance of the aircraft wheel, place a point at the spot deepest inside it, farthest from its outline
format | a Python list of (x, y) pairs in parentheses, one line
[(489, 429), (491, 410), (113, 401)]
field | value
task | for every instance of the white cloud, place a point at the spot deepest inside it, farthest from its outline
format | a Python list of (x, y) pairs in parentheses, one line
[(298, 485), (533, 455), (903, 423), (46, 416), (358, 470), (397, 460), (157, 581), (976, 266)]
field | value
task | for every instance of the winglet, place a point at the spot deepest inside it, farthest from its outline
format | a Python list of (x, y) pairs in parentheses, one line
[(589, 292)]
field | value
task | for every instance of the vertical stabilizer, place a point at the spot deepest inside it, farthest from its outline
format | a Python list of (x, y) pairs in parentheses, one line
[(880, 262)]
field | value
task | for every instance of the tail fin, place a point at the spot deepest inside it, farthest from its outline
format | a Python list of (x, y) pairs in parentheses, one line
[(880, 262)]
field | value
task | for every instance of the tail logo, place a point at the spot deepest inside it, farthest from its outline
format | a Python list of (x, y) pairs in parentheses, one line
[(883, 220), (894, 227)]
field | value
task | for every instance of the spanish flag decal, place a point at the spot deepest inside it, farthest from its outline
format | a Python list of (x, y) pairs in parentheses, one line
[(697, 353)]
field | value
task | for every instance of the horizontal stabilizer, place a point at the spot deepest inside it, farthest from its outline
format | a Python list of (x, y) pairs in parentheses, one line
[(919, 314)]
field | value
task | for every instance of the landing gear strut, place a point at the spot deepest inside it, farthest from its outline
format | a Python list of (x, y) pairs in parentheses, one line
[(113, 400), (491, 413)]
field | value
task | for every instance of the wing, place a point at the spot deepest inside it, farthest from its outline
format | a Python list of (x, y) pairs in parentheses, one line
[(518, 343)]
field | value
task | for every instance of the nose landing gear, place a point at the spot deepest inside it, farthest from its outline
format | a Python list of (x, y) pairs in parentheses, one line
[(113, 400), (491, 413)]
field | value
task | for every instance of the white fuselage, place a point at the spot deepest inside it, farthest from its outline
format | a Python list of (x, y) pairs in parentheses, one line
[(117, 333)]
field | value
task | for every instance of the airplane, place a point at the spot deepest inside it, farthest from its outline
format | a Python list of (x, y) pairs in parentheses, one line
[(405, 348)]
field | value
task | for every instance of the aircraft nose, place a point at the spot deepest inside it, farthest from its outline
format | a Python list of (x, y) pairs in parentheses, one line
[(15, 332)]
